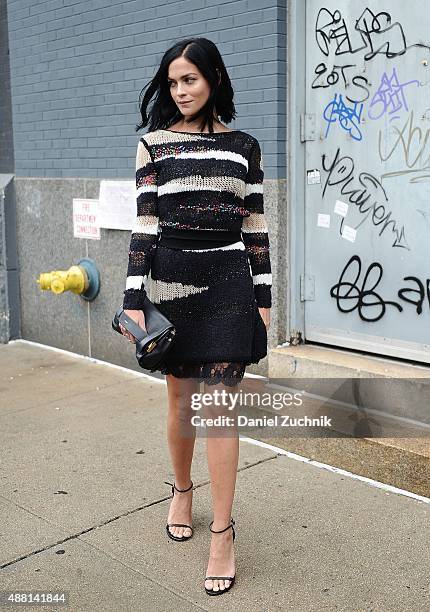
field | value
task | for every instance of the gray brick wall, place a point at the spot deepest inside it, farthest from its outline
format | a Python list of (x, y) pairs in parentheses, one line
[(6, 134), (77, 68)]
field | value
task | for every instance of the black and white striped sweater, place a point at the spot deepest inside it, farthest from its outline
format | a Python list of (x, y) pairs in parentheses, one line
[(198, 181)]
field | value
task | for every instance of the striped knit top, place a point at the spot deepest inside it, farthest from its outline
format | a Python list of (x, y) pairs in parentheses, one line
[(198, 181)]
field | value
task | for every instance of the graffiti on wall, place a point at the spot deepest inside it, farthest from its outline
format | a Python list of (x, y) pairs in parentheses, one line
[(366, 193), (354, 292), (359, 106)]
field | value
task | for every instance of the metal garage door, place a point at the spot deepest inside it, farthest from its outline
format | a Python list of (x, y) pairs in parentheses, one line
[(366, 130)]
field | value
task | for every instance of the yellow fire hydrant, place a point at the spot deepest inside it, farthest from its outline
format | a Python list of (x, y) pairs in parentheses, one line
[(82, 279)]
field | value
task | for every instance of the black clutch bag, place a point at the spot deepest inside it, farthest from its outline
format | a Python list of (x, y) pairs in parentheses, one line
[(153, 344)]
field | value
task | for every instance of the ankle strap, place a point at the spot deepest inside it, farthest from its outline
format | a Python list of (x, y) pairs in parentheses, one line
[(222, 530), (174, 487)]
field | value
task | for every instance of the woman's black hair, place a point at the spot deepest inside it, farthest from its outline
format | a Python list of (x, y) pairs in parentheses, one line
[(204, 54)]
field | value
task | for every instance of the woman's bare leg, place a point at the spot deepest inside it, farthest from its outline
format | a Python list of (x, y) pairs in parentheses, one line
[(223, 458), (181, 438)]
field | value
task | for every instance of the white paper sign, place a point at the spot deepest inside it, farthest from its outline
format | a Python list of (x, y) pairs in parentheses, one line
[(323, 220), (341, 208), (313, 176), (117, 204), (349, 233), (85, 219)]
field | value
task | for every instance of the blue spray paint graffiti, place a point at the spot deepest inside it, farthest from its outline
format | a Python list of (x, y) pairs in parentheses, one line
[(347, 116)]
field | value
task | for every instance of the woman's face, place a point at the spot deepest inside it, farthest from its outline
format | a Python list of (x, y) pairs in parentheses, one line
[(188, 87)]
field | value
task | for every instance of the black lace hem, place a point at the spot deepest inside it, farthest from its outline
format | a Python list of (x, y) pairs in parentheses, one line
[(212, 373)]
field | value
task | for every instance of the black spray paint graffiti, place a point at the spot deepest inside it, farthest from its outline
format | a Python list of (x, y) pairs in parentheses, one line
[(369, 197), (332, 78), (373, 32), (413, 144), (353, 294)]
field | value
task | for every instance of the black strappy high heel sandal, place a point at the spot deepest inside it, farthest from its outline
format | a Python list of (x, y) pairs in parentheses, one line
[(231, 578), (171, 536)]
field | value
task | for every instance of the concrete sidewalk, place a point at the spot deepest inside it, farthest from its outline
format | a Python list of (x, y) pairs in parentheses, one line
[(84, 506)]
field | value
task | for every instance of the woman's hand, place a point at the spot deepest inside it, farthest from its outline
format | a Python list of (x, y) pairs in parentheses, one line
[(265, 315), (139, 318)]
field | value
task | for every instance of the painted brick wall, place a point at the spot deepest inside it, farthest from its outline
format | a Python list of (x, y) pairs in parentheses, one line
[(77, 68), (6, 141)]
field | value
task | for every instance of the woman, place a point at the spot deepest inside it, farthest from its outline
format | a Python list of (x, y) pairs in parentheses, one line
[(201, 184)]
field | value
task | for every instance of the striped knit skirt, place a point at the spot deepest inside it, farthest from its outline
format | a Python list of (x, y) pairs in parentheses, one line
[(208, 295)]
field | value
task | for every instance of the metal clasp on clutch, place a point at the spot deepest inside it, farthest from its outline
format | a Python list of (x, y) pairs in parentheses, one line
[(151, 346)]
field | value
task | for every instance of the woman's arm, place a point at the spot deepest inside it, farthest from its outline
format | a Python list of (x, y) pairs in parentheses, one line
[(255, 231), (144, 231)]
